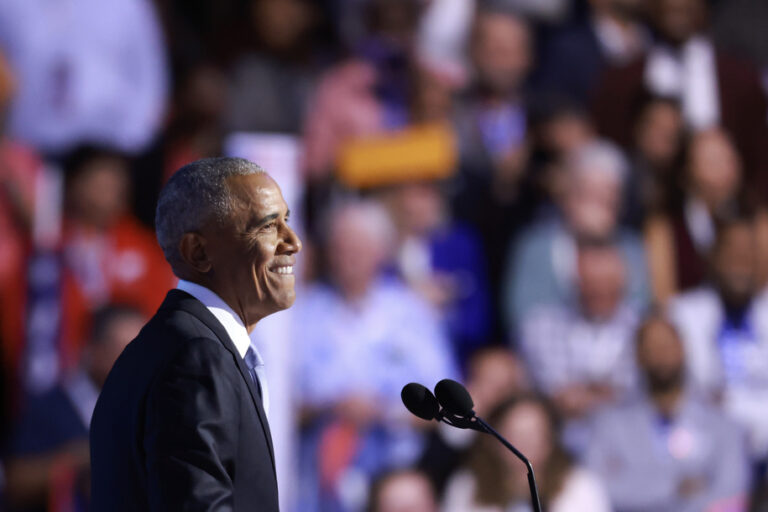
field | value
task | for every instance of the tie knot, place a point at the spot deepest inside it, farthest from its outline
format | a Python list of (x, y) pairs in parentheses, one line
[(252, 358)]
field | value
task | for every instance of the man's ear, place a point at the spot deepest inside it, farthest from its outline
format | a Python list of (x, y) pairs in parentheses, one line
[(192, 249)]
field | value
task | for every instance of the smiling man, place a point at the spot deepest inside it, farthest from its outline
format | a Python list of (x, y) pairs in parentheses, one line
[(181, 421)]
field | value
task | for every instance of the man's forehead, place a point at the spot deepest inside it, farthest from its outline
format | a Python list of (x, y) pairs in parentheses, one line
[(257, 191)]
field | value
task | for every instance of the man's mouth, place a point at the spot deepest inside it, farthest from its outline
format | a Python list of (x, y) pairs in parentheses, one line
[(283, 270)]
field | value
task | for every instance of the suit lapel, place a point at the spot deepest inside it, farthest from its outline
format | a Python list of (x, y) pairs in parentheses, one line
[(193, 306)]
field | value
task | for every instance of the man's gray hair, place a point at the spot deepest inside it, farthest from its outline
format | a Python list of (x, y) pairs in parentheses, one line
[(197, 193)]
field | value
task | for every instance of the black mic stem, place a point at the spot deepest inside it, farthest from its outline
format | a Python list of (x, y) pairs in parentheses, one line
[(531, 478)]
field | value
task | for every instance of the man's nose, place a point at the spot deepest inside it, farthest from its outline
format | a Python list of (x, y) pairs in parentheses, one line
[(291, 243)]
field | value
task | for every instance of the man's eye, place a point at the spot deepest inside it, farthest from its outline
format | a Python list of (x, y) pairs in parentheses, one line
[(271, 225)]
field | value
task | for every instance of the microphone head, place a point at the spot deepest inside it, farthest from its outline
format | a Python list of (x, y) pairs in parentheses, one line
[(454, 398), (420, 401)]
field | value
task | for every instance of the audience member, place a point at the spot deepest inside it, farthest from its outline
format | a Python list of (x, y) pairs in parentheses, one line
[(388, 44), (495, 480), (443, 260), (725, 328), (113, 257), (667, 449), (279, 67), (559, 128), (49, 459), (679, 240), (575, 57), (580, 354), (491, 121), (402, 491), (495, 374), (196, 124), (655, 160), (92, 72), (713, 89), (361, 338), (541, 265), (43, 313)]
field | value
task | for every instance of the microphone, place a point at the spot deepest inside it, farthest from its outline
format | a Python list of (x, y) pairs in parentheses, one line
[(454, 398), (420, 402), (458, 411)]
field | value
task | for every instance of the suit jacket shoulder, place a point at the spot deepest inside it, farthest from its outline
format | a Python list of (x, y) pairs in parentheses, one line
[(167, 432)]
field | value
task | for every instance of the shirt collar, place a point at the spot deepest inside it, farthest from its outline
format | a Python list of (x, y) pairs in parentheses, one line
[(223, 313)]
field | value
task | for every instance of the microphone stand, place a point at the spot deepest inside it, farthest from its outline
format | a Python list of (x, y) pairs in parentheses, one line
[(478, 424), (531, 478)]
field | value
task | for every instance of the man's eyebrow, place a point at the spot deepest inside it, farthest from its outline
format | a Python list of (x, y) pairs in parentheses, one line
[(269, 218), (266, 219)]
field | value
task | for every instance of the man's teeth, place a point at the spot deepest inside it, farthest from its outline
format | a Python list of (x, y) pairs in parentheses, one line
[(284, 270)]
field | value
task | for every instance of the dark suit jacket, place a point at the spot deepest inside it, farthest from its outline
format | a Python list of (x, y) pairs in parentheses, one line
[(179, 425), (571, 63)]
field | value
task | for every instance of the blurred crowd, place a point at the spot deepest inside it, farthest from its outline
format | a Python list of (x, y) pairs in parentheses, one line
[(561, 203)]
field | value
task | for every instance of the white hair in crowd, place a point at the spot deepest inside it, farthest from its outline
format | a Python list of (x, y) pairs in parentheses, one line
[(368, 216), (600, 157)]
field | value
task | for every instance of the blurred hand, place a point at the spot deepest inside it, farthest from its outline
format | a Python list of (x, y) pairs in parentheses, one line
[(439, 289)]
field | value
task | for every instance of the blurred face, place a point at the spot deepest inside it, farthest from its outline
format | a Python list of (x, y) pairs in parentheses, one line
[(660, 356), (565, 133), (527, 427), (714, 168), (408, 492), (735, 264), (501, 52), (99, 193), (394, 21), (104, 352), (281, 23), (658, 133), (592, 203), (601, 281), (418, 208), (494, 375), (355, 255), (678, 20), (251, 256), (204, 95)]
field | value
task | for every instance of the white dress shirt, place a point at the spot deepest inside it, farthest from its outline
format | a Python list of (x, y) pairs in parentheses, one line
[(689, 74), (234, 327)]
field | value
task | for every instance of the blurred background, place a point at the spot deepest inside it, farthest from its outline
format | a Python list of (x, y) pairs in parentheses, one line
[(561, 203)]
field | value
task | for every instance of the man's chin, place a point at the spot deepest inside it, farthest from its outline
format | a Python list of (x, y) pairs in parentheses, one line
[(285, 300)]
